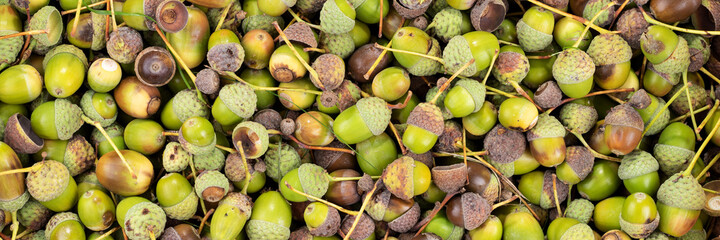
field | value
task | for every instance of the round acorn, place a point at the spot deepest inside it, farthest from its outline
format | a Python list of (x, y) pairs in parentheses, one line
[(331, 71), (466, 97), (416, 40), (124, 45), (680, 200), (623, 129), (184, 105), (321, 220), (139, 218), (64, 74), (337, 16), (115, 132), (294, 100), (578, 163), (180, 231), (468, 210), (235, 102), (446, 23), (482, 121), (546, 140), (491, 229), (538, 187), (518, 114), (521, 225), (659, 83), (57, 119), (482, 181), (611, 55), (368, 117), (652, 111), (606, 215), (675, 148), (406, 178), (175, 196), (144, 136), (308, 178), (104, 74), (425, 125), (313, 128), (375, 153), (64, 225), (344, 193), (573, 70), (504, 145), (478, 45), (96, 210), (233, 212), (401, 215), (639, 216), (567, 31), (52, 185), (391, 84), (638, 170), (211, 186), (192, 39), (568, 228), (535, 29), (258, 47), (270, 218), (254, 139), (602, 182), (197, 136), (113, 174)]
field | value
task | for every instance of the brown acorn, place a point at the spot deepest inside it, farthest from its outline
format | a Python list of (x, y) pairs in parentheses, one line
[(344, 193), (631, 25), (363, 58), (548, 95), (482, 181), (504, 145), (331, 72), (450, 178), (180, 232), (468, 210), (623, 129), (20, 136), (488, 15), (411, 8)]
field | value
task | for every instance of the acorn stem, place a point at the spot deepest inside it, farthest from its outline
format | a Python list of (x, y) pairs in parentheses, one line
[(682, 117), (112, 14), (204, 219), (524, 94), (311, 49), (618, 11), (99, 127), (690, 106), (340, 179), (223, 16), (224, 148), (108, 233), (709, 74), (501, 92), (437, 59), (297, 18), (31, 32), (522, 8), (339, 208), (503, 203), (312, 72), (274, 132), (403, 104), (469, 153), (305, 146), (447, 83), (555, 195), (591, 23), (23, 233), (675, 28), (711, 191), (377, 60), (152, 234), (707, 118), (170, 133), (492, 64), (569, 196), (403, 150), (667, 104), (436, 209), (594, 153), (77, 18), (688, 171), (567, 100), (563, 13), (255, 87), (380, 23), (368, 196), (84, 7), (508, 43), (245, 166), (707, 168), (33, 168), (15, 225)]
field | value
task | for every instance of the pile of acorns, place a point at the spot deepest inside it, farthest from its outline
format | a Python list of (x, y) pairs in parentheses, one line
[(359, 119)]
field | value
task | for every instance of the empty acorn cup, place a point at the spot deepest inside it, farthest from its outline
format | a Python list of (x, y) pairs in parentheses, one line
[(20, 136), (155, 66), (171, 16)]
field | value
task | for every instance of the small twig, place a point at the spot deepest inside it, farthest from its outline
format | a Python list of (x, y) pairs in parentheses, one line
[(492, 64), (594, 153), (709, 74), (445, 85), (707, 168), (437, 59), (503, 203), (204, 219), (651, 20), (368, 196), (563, 13), (682, 117), (688, 171), (690, 106), (305, 146), (99, 127), (377, 60), (311, 197), (223, 16), (707, 117), (403, 104), (403, 150), (557, 201)]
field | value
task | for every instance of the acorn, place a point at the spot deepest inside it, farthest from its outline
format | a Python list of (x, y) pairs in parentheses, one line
[(657, 235), (64, 225), (226, 57), (401, 215), (175, 196), (235, 102), (137, 99), (138, 7), (368, 117), (698, 98), (406, 178), (180, 231), (46, 19), (77, 154), (580, 209), (145, 136), (477, 45), (482, 181), (10, 47), (481, 122), (211, 186), (611, 55), (139, 218), (308, 178), (504, 145), (638, 170), (518, 114), (364, 229), (376, 153), (446, 23), (96, 210), (344, 193), (607, 213), (33, 215), (511, 67), (540, 191), (299, 98), (468, 210), (568, 228), (90, 33), (547, 142), (256, 19), (14, 195), (548, 95), (124, 45), (639, 216), (301, 32), (631, 25), (337, 16), (574, 71), (192, 40), (577, 165), (452, 135), (425, 125), (321, 220), (52, 185), (658, 83), (20, 136), (154, 66), (331, 71), (270, 217), (521, 225), (391, 84), (258, 47), (675, 148), (197, 136), (65, 74), (416, 40), (57, 119), (281, 160), (99, 107), (599, 7), (535, 29), (623, 129), (254, 139), (663, 47), (284, 65), (214, 160), (680, 200), (115, 176), (567, 31), (671, 12), (440, 103), (115, 132), (466, 97), (651, 111), (233, 212)]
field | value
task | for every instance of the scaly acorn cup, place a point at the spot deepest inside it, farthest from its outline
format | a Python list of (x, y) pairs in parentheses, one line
[(401, 215), (175, 196), (20, 136), (230, 216), (611, 55), (573, 70), (578, 164), (679, 60), (115, 132), (468, 210), (252, 137), (197, 136), (214, 160), (124, 45), (446, 24), (113, 174), (338, 44), (58, 119), (578, 118), (96, 210), (651, 111), (14, 195), (594, 7), (504, 145), (425, 125), (546, 139), (658, 43), (639, 217), (9, 48), (52, 185), (235, 102), (699, 50), (175, 158), (331, 71), (623, 129), (48, 25), (308, 178), (212, 186), (337, 16), (271, 217), (98, 31), (418, 41), (364, 229), (698, 98), (64, 225), (140, 219), (680, 200), (568, 228), (226, 57), (466, 97), (406, 178), (537, 186), (368, 117), (256, 19), (184, 105), (638, 170), (477, 45), (280, 160), (321, 220), (511, 67), (444, 112), (99, 107), (580, 209), (675, 148), (535, 29), (77, 154), (451, 178), (33, 215)]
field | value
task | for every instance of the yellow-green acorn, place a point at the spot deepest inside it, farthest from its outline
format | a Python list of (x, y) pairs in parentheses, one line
[(337, 16), (416, 40), (231, 215), (679, 202), (53, 186), (573, 70), (175, 196), (535, 29), (675, 148), (638, 170), (546, 139), (611, 55), (64, 225)]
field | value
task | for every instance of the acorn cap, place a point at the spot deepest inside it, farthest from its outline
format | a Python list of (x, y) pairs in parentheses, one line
[(444, 112), (124, 45), (407, 220), (183, 210), (378, 204), (607, 49), (67, 118), (348, 95), (580, 209), (366, 183), (339, 44), (263, 22), (260, 229), (240, 201), (682, 192), (213, 160), (532, 40), (333, 20), (363, 230), (57, 219), (572, 66), (301, 233), (698, 98), (672, 159), (578, 231), (420, 22), (580, 160), (172, 16), (175, 158), (143, 218), (456, 54), (411, 8), (269, 118), (427, 116), (425, 158), (592, 7), (315, 181), (16, 203), (446, 23), (195, 149), (631, 25), (640, 99), (281, 160), (578, 118), (87, 107), (511, 66), (79, 155), (239, 98), (488, 15), (699, 50), (624, 115), (254, 138), (547, 126), (426, 66), (452, 134), (20, 136), (398, 177), (637, 163), (33, 215), (98, 36), (211, 186), (504, 145), (375, 114), (476, 90), (208, 81), (639, 230), (450, 178), (235, 169), (65, 48), (48, 182), (331, 71), (10, 47), (548, 95), (547, 199), (330, 226), (48, 18), (678, 61), (475, 210), (658, 235), (302, 33), (226, 57)]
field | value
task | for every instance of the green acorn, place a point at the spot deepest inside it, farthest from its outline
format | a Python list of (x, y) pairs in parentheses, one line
[(175, 158), (698, 97), (235, 102), (232, 214), (573, 70), (184, 105), (546, 139), (477, 45), (99, 107), (139, 218), (212, 186), (639, 216), (568, 228), (444, 111), (281, 160), (175, 196), (197, 136), (368, 117), (33, 215), (9, 48), (115, 132), (511, 66), (535, 29), (580, 209), (578, 118), (96, 210), (577, 165), (321, 220), (271, 217), (696, 233), (675, 148), (446, 23), (57, 119), (339, 44), (538, 187), (657, 235), (651, 111), (638, 170), (459, 94), (592, 8), (425, 125), (416, 40), (124, 45), (309, 178), (263, 22), (611, 55), (679, 202), (88, 181), (337, 16), (233, 19), (47, 19), (52, 186), (63, 225), (699, 50)]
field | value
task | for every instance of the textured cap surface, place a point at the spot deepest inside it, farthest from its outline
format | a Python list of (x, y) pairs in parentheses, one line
[(375, 113), (504, 145), (67, 118), (573, 66), (427, 116), (637, 163), (547, 126), (682, 192), (580, 209), (143, 218), (281, 160), (578, 118), (456, 54), (476, 90), (239, 98), (333, 20), (531, 39), (187, 104), (608, 49), (210, 179), (48, 182), (57, 219), (314, 179), (672, 159)]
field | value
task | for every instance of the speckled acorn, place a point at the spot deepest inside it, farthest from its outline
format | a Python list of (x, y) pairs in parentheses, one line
[(504, 145), (57, 119), (33, 215), (574, 71), (140, 218), (468, 210), (518, 114), (580, 209)]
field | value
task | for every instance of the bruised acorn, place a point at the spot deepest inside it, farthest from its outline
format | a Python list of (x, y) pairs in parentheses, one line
[(113, 174), (418, 41), (611, 55), (96, 210), (577, 165), (252, 137), (623, 129), (406, 178)]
